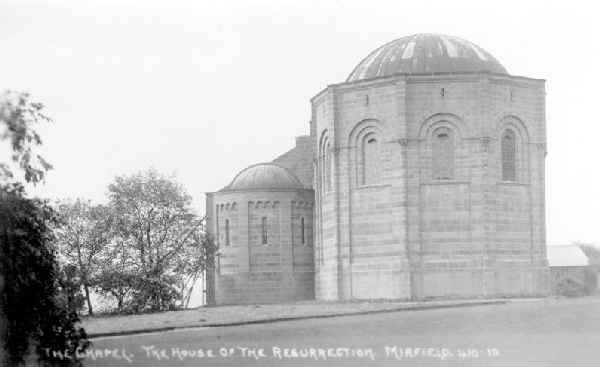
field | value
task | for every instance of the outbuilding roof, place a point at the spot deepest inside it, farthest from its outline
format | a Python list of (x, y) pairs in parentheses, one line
[(566, 255)]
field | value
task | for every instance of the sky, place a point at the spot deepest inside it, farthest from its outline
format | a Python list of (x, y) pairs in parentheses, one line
[(203, 89)]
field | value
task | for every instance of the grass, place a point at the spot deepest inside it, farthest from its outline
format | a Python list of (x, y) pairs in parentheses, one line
[(237, 314)]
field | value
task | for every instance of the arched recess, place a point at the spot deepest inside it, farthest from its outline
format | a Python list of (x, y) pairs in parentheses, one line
[(508, 155), (443, 152), (366, 141), (325, 163), (442, 119), (440, 137), (512, 153)]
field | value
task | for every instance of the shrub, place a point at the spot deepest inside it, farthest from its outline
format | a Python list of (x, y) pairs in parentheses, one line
[(568, 287), (39, 300)]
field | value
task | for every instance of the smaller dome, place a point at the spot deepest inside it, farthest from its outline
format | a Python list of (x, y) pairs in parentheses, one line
[(264, 176)]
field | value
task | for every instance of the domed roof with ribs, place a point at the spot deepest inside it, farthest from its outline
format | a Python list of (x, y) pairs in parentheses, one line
[(426, 53), (264, 176)]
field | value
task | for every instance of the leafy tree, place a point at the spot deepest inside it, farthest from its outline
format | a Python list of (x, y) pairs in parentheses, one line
[(593, 254), (197, 259), (120, 285), (154, 218), (19, 117), (591, 274), (39, 302), (36, 298), (82, 236)]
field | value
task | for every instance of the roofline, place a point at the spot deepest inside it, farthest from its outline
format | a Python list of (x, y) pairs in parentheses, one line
[(261, 164), (423, 34), (408, 75), (265, 189)]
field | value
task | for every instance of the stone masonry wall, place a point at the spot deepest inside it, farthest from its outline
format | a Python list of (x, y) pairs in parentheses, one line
[(249, 271), (299, 160), (410, 235)]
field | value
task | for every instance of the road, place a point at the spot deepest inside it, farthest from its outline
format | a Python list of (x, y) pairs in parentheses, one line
[(524, 333)]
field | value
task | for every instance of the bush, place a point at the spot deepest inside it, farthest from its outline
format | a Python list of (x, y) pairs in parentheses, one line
[(155, 294), (570, 288), (39, 299), (591, 280)]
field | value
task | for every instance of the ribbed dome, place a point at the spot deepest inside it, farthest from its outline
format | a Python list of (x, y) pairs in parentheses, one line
[(264, 176), (426, 53)]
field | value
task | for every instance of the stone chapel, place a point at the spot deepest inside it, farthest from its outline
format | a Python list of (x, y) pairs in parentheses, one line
[(422, 177)]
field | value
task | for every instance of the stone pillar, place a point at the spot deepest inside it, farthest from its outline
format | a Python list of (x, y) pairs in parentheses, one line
[(243, 233), (483, 190), (285, 235)]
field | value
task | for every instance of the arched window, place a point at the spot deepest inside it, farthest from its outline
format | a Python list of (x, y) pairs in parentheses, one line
[(443, 154), (370, 158), (264, 230), (509, 154), (227, 243), (302, 238), (327, 166)]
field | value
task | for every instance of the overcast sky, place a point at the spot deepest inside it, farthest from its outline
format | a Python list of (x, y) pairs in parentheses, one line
[(204, 89)]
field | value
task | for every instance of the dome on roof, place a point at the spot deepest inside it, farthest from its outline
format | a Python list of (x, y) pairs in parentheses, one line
[(426, 53), (264, 176)]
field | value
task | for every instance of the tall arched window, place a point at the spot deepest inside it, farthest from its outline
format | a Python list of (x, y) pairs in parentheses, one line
[(264, 230), (227, 242), (302, 238), (370, 158), (443, 154), (327, 166), (509, 154)]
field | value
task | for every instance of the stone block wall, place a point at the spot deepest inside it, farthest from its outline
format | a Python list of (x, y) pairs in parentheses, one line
[(250, 271), (299, 160), (410, 235), (302, 236)]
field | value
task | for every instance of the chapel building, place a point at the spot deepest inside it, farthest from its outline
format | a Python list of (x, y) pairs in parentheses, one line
[(422, 177)]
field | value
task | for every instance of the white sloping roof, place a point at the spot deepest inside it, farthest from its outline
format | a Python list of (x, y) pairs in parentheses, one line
[(566, 255)]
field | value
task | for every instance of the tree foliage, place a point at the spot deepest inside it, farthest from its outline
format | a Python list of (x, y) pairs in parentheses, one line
[(19, 117), (593, 254), (155, 230), (198, 258), (82, 236), (38, 299), (591, 274)]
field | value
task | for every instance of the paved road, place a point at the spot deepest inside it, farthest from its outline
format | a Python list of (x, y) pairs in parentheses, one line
[(540, 333)]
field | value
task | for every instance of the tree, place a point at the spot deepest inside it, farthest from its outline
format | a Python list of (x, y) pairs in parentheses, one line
[(35, 297), (118, 277), (19, 117), (196, 260), (38, 303), (593, 254), (154, 216), (591, 273), (82, 235)]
